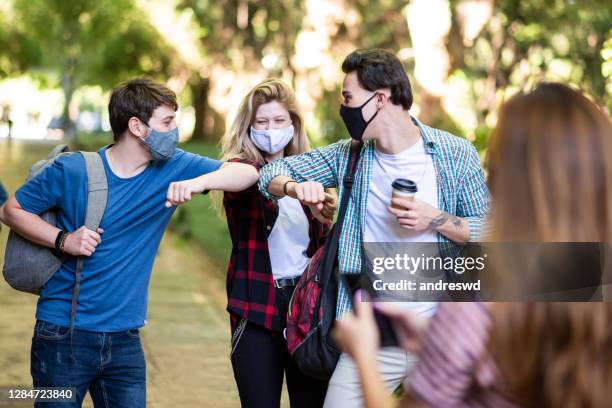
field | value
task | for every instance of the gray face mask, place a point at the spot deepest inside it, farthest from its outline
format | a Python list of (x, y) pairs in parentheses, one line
[(162, 145)]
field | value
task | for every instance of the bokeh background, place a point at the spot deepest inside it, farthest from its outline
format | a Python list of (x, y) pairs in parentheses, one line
[(59, 59)]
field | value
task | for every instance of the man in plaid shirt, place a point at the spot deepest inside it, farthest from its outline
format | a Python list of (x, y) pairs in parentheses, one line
[(449, 207)]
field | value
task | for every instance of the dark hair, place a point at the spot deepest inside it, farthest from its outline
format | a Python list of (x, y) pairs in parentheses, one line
[(137, 98), (377, 69)]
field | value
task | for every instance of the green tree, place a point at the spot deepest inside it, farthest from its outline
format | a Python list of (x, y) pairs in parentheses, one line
[(237, 34), (523, 43), (88, 42)]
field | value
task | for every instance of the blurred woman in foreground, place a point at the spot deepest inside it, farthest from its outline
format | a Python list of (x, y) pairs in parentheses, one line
[(550, 178)]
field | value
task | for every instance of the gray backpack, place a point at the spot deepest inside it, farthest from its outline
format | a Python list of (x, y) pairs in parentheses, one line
[(28, 266)]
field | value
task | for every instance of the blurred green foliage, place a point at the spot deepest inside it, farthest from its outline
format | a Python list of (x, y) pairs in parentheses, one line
[(85, 42), (71, 44)]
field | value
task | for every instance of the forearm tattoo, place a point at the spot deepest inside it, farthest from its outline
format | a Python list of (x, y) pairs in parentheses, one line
[(442, 218)]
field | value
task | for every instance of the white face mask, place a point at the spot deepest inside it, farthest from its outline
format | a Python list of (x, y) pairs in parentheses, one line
[(271, 141)]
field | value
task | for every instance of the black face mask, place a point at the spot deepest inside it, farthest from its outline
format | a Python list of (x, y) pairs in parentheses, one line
[(354, 121)]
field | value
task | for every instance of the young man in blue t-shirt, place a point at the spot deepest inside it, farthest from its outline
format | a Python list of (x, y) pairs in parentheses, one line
[(147, 176)]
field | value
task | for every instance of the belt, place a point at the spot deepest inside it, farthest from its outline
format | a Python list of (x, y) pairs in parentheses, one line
[(286, 282)]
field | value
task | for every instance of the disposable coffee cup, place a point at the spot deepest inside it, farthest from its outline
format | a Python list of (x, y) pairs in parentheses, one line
[(403, 188)]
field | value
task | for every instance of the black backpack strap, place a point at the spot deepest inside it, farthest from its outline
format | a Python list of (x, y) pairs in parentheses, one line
[(348, 182), (331, 246)]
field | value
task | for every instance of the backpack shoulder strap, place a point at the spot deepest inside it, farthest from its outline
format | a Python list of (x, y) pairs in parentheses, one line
[(354, 155), (326, 274), (333, 239), (97, 190), (97, 196), (349, 178)]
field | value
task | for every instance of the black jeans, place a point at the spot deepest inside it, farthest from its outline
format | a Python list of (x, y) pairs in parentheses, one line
[(260, 358)]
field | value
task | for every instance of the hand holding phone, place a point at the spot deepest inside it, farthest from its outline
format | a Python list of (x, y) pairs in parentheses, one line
[(388, 337), (409, 326)]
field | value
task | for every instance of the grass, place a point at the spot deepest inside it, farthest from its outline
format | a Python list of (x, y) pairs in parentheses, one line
[(196, 221)]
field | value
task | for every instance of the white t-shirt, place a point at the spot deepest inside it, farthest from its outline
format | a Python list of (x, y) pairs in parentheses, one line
[(412, 164), (382, 226), (289, 239)]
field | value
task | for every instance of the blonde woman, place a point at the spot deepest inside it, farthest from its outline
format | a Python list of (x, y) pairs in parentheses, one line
[(272, 242)]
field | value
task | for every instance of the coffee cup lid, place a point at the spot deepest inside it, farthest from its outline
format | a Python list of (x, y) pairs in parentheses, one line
[(406, 185)]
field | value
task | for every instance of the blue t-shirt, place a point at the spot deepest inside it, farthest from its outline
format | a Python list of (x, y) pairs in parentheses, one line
[(115, 279)]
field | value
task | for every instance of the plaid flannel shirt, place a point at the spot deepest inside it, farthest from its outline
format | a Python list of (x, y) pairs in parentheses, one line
[(462, 190), (250, 283)]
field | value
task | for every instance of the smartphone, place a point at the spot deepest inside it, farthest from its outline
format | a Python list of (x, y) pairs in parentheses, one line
[(388, 338)]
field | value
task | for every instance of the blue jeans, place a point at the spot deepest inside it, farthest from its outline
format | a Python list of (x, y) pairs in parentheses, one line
[(111, 366)]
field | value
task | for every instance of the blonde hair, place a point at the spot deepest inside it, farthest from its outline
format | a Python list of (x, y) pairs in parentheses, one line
[(236, 142)]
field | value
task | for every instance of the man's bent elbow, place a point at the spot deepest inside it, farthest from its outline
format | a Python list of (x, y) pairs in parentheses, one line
[(253, 173), (10, 212), (248, 173)]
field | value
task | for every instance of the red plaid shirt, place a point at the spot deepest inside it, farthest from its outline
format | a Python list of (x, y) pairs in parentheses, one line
[(250, 283)]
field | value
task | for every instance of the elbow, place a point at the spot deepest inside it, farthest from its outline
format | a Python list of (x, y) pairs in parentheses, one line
[(476, 229), (248, 173), (6, 215), (253, 174), (245, 176), (8, 212)]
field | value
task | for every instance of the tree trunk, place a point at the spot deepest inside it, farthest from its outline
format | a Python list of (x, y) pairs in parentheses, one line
[(67, 124), (199, 97)]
